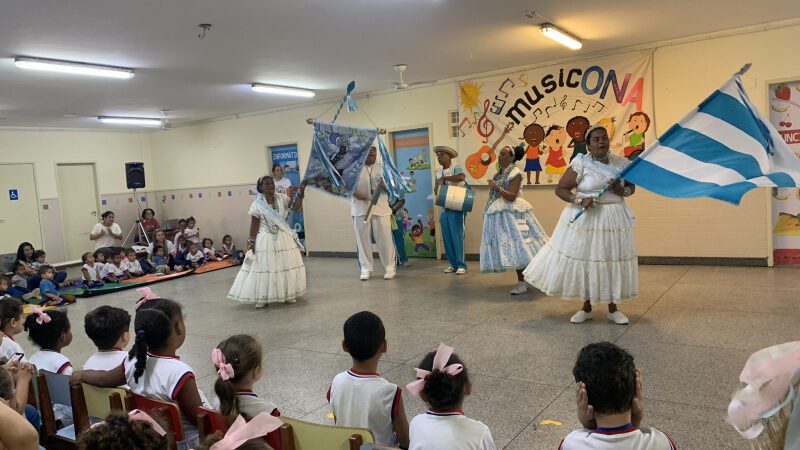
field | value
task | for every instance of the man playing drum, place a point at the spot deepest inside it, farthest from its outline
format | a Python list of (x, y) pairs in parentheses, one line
[(452, 221)]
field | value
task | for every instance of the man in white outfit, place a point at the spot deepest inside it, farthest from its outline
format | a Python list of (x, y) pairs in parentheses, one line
[(379, 224)]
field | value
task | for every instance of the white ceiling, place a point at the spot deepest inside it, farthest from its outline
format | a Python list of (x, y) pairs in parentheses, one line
[(318, 44)]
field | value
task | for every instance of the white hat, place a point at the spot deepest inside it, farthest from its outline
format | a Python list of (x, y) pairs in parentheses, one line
[(445, 149)]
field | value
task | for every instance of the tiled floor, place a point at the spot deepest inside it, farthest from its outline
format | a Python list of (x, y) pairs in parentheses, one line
[(691, 331)]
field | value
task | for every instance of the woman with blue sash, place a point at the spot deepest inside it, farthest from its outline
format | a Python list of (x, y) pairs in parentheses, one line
[(273, 269)]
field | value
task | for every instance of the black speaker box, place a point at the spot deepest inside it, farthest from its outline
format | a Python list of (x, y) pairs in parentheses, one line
[(134, 175)]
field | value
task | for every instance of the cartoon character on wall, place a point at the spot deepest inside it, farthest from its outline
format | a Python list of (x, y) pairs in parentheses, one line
[(555, 138), (412, 182), (638, 124), (431, 223), (417, 238), (408, 221), (609, 123), (533, 136), (576, 129)]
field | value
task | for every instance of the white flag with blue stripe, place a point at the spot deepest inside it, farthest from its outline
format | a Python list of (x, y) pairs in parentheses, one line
[(722, 149)]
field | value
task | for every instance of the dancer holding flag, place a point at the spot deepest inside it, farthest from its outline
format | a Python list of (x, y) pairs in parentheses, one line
[(593, 259), (273, 269)]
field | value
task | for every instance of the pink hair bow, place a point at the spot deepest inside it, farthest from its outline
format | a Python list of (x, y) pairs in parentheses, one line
[(147, 295), (140, 416), (241, 431), (43, 316), (225, 370), (443, 354)]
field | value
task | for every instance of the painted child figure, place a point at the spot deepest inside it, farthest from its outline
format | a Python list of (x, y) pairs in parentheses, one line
[(452, 221), (359, 397), (555, 138)]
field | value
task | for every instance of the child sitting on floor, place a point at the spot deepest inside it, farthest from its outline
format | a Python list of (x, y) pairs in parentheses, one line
[(610, 403), (191, 233), (178, 239), (48, 289), (51, 332), (229, 248), (444, 426), (159, 260), (91, 271), (193, 257), (359, 397), (131, 265), (209, 251), (8, 290), (39, 259), (109, 329), (112, 271)]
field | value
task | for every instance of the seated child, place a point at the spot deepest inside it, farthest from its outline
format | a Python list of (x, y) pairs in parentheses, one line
[(48, 289), (109, 329), (11, 324), (159, 260), (51, 332), (178, 238), (609, 400), (444, 426), (121, 430), (99, 259), (154, 370), (191, 233), (39, 259), (131, 265), (209, 252), (194, 257), (238, 360), (91, 271), (7, 290), (112, 271), (229, 248), (19, 280), (359, 397)]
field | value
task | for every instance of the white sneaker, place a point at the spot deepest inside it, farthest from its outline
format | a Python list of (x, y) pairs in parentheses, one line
[(520, 288), (582, 316), (461, 271), (406, 264), (365, 276), (618, 318), (389, 275), (449, 270)]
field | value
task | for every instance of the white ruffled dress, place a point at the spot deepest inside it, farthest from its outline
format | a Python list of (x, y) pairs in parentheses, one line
[(594, 258), (275, 273)]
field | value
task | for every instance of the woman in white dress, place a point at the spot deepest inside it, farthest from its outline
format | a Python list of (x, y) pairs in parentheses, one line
[(273, 270), (593, 259)]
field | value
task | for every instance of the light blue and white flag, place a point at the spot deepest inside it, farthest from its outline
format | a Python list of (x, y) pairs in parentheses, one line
[(722, 149)]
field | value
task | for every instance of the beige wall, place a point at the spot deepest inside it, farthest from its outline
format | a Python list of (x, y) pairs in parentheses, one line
[(232, 153)]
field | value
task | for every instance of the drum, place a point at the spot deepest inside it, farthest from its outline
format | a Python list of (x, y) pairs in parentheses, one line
[(456, 198)]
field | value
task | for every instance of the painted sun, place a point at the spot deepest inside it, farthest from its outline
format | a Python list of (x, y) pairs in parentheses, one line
[(470, 95)]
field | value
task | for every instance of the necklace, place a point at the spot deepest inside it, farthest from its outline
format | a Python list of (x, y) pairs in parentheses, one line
[(272, 204), (601, 160)]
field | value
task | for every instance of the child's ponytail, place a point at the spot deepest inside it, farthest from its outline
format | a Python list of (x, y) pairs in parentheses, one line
[(153, 328), (234, 359)]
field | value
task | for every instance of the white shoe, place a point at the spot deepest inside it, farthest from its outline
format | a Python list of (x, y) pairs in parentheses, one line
[(365, 276), (520, 288), (449, 270), (582, 316), (618, 318), (406, 264), (389, 275), (461, 271)]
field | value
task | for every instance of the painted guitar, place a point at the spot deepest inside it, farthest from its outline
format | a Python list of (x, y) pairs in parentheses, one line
[(478, 162)]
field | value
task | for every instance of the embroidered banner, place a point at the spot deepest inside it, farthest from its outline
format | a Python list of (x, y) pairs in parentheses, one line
[(548, 109), (337, 157)]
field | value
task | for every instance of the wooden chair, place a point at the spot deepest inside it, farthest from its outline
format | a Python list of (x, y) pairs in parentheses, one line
[(168, 412), (210, 421), (101, 401), (300, 435), (55, 388)]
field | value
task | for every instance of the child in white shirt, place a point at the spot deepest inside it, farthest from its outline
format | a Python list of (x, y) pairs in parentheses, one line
[(51, 332), (91, 271), (109, 329), (229, 248), (359, 397), (209, 251), (191, 233), (112, 272), (131, 265), (11, 324), (444, 426), (194, 257), (610, 403)]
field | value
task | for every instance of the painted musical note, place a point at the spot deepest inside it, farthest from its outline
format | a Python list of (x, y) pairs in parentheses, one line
[(576, 104), (547, 109), (485, 125), (563, 103), (601, 105), (498, 108), (503, 86), (536, 113), (523, 78), (461, 126)]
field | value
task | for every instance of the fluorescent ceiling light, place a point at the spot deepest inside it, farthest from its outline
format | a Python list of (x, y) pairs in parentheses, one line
[(282, 90), (140, 121), (560, 36), (52, 65)]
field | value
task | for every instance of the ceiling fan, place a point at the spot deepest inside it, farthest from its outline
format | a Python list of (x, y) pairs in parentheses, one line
[(400, 85)]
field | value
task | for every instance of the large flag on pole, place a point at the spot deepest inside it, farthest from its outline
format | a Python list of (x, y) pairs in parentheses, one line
[(722, 149)]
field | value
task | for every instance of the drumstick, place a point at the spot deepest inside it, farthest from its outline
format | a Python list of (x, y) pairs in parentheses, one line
[(372, 202)]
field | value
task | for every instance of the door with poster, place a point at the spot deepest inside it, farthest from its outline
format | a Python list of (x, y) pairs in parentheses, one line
[(784, 114), (413, 159), (286, 157)]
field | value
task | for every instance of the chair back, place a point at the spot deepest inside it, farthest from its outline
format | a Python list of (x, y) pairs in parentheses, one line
[(167, 410), (101, 401), (300, 435), (58, 387), (65, 438), (210, 421)]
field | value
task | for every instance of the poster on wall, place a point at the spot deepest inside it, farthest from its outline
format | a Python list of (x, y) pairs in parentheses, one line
[(548, 109), (784, 114), (413, 160), (286, 156)]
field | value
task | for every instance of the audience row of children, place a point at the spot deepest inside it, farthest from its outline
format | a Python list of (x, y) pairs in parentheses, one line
[(608, 385)]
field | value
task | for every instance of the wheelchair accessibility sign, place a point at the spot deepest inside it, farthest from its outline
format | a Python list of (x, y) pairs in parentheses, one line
[(13, 194)]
